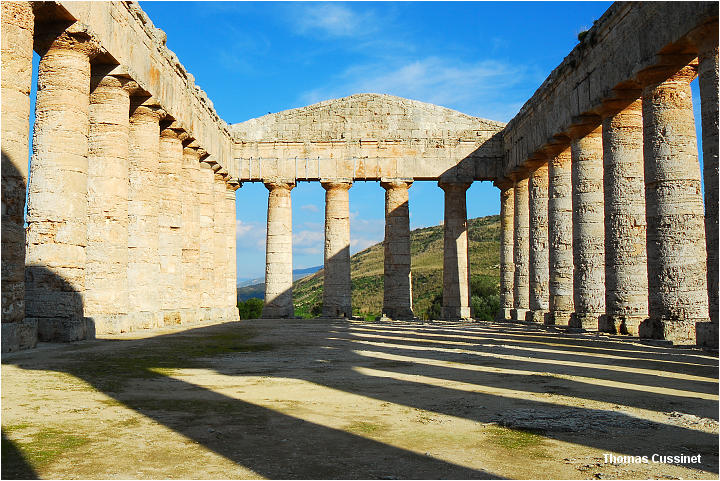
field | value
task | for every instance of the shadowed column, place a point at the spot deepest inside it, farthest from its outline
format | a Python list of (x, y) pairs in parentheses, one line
[(588, 228), (538, 273), (337, 286), (521, 257), (507, 267), (278, 265), (560, 230), (17, 50), (143, 207), (456, 264), (706, 40), (106, 272), (397, 290), (677, 278), (57, 199), (626, 295), (170, 223)]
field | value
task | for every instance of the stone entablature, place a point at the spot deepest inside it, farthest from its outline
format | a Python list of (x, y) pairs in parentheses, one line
[(124, 32), (368, 137), (602, 67)]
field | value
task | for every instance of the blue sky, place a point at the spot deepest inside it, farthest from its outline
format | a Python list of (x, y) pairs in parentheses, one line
[(484, 59)]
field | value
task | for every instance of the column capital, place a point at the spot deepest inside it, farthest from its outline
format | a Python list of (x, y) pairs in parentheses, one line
[(673, 68), (393, 183), (503, 184), (336, 184), (170, 134), (705, 37), (146, 107), (583, 125), (453, 186), (61, 37), (272, 185), (105, 79)]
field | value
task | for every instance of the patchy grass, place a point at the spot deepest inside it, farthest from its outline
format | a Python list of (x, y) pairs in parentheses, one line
[(43, 446), (514, 438), (365, 427)]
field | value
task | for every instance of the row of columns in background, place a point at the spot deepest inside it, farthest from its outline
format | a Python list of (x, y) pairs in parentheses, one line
[(609, 234), (337, 285), (129, 223)]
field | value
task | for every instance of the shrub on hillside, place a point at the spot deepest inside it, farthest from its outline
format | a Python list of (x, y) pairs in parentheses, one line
[(250, 309)]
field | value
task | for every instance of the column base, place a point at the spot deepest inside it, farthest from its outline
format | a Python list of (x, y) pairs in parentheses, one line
[(20, 335), (588, 321), (277, 314), (65, 330), (706, 334), (336, 312), (456, 313), (677, 331), (504, 314), (557, 318), (620, 324), (537, 317), (518, 314), (398, 314)]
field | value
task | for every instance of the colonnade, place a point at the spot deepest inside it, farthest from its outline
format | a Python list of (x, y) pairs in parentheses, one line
[(397, 279), (130, 223), (617, 236)]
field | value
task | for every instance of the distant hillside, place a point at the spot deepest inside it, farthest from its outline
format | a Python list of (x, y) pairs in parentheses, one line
[(256, 287), (427, 257)]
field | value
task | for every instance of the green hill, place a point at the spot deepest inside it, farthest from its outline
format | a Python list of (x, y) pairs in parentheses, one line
[(426, 247)]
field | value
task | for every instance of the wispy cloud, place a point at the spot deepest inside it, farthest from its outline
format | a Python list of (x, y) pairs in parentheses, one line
[(310, 208), (250, 235), (473, 88), (332, 19)]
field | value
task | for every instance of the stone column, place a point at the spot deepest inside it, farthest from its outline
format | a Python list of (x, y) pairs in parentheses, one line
[(539, 260), (206, 178), (560, 228), (191, 267), (17, 50), (707, 43), (278, 264), (220, 253), (677, 278), (521, 246), (397, 291), (507, 267), (57, 202), (456, 260), (337, 286), (170, 224), (143, 211), (106, 271), (231, 266), (588, 228), (626, 294)]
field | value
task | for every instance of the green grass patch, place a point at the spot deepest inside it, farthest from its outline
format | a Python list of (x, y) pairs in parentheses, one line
[(365, 427), (43, 446), (514, 438)]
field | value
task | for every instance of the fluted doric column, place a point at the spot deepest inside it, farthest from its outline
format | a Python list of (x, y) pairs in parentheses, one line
[(17, 50), (521, 247), (539, 261), (230, 292), (143, 211), (106, 272), (191, 266), (588, 228), (205, 180), (278, 264), (337, 286), (677, 278), (626, 294), (57, 200), (560, 228), (397, 290), (507, 267), (706, 40), (220, 248), (170, 224), (456, 261)]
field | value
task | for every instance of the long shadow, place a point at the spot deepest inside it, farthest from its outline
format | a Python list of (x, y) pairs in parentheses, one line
[(14, 465), (485, 357)]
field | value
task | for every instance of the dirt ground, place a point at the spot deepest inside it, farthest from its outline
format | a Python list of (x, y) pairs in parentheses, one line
[(335, 399)]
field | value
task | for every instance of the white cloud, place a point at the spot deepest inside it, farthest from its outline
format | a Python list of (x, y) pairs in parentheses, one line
[(307, 238), (471, 87), (332, 19), (310, 207), (250, 235)]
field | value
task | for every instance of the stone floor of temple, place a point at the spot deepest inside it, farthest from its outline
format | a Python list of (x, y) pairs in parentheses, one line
[(336, 399)]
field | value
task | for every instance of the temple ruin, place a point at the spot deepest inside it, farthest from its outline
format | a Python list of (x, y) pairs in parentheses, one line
[(131, 187)]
